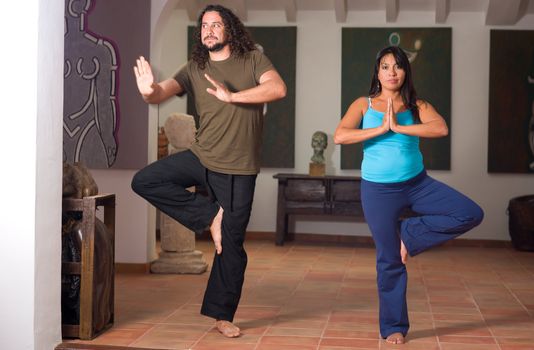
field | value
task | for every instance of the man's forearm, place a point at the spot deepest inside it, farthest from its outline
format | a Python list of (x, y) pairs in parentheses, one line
[(266, 92), (163, 91)]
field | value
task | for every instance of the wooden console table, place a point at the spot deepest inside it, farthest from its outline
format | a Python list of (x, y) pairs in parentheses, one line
[(316, 195), (319, 195)]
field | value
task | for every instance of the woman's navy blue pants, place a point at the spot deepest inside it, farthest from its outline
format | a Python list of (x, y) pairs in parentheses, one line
[(444, 214)]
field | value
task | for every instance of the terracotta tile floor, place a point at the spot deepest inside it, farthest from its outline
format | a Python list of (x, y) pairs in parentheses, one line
[(303, 296)]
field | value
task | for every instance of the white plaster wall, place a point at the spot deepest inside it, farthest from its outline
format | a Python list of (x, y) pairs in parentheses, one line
[(30, 139), (318, 91), (135, 221), (134, 239), (49, 146), (173, 55)]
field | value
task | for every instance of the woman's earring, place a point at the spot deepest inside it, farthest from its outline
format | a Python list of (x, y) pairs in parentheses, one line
[(378, 84)]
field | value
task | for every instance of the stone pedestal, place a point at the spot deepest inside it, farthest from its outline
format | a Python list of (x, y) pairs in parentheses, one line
[(178, 254), (185, 262), (317, 169)]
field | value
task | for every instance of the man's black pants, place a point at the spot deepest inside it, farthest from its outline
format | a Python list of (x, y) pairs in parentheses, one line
[(163, 184)]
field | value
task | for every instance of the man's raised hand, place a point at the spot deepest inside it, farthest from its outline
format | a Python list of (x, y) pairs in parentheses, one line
[(144, 77)]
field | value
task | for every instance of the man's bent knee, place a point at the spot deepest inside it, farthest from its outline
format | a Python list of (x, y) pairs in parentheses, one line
[(138, 184)]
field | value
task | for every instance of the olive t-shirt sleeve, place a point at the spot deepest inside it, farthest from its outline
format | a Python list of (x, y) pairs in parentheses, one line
[(262, 64), (183, 78)]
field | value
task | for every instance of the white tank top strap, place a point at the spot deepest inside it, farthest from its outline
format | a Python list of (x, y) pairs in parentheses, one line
[(370, 104)]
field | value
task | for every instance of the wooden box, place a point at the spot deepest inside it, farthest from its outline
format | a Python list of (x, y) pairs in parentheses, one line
[(93, 303)]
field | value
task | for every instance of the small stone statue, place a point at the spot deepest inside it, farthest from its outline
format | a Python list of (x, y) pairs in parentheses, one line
[(318, 143)]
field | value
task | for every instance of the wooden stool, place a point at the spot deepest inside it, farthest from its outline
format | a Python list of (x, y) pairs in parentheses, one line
[(86, 329)]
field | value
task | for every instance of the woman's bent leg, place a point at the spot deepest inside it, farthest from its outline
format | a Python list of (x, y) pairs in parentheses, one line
[(445, 214)]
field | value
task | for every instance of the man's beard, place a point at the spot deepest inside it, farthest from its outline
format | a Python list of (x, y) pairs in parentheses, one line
[(216, 47)]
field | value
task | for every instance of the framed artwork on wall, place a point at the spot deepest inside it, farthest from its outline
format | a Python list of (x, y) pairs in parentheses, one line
[(104, 118), (279, 44), (429, 51), (511, 102)]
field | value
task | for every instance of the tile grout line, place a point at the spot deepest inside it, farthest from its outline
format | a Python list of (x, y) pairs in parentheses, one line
[(337, 295), (307, 271), (423, 277), (479, 311), (513, 294), (510, 290), (260, 338)]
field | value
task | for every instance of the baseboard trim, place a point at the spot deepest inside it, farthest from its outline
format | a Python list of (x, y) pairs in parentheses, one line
[(79, 346), (319, 239), (132, 268), (359, 241)]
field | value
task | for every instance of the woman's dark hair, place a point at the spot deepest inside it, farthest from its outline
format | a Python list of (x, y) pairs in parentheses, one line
[(407, 91), (238, 37)]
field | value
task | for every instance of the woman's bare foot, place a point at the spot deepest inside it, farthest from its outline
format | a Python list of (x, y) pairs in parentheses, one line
[(403, 253), (215, 229), (395, 338), (228, 329)]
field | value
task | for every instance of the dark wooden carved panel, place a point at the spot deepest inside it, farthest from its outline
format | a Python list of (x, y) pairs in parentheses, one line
[(316, 195), (346, 190), (327, 196), (305, 191)]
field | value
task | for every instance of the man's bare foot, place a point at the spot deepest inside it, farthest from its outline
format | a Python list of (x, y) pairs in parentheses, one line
[(228, 329), (215, 229), (403, 253), (395, 338)]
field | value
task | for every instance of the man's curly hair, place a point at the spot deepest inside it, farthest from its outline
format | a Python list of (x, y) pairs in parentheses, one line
[(238, 37)]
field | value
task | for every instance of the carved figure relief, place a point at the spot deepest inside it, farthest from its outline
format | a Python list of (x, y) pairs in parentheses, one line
[(90, 110)]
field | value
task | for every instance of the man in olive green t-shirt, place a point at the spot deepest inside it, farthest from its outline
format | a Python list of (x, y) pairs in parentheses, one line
[(229, 81)]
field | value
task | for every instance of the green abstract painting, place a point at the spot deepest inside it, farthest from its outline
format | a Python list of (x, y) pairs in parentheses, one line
[(511, 102)]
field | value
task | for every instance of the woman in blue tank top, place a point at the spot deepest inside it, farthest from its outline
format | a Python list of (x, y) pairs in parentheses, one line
[(389, 123)]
